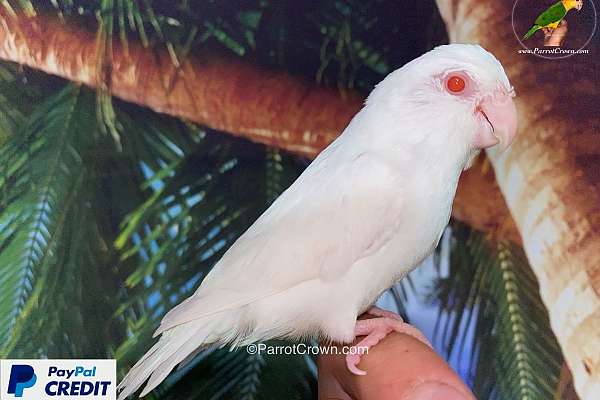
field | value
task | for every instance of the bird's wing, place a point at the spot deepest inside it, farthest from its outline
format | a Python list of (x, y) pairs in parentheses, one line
[(553, 14), (333, 215)]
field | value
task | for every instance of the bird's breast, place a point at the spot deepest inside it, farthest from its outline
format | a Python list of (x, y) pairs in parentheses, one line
[(421, 223)]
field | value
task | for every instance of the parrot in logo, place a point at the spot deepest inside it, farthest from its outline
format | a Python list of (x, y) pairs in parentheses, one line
[(370, 208), (553, 16)]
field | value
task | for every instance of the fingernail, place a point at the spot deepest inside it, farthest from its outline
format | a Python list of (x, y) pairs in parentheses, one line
[(435, 391)]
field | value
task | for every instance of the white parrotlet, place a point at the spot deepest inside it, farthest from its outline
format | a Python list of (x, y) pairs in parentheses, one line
[(365, 212)]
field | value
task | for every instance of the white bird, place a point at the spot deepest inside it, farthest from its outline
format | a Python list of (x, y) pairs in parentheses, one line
[(365, 212)]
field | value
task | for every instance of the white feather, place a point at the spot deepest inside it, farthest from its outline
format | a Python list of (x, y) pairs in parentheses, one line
[(363, 214)]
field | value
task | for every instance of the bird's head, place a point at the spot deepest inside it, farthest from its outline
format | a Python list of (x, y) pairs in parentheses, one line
[(570, 4), (457, 93)]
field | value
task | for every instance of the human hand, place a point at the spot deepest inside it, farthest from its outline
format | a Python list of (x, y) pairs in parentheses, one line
[(555, 37), (398, 367)]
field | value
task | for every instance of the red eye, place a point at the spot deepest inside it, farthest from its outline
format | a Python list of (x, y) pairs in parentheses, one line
[(456, 84)]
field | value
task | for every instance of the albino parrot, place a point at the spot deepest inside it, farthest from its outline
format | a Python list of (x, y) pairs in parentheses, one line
[(553, 16), (365, 212)]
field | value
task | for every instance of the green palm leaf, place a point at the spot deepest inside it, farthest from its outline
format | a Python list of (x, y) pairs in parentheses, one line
[(492, 290), (238, 375), (45, 196), (42, 158)]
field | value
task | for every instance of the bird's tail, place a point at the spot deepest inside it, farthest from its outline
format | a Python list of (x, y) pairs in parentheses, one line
[(175, 347), (530, 32)]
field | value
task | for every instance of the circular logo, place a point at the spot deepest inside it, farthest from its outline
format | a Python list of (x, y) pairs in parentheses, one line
[(554, 29)]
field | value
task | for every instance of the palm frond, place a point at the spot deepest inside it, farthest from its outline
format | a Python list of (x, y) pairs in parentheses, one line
[(17, 98), (42, 158), (491, 295), (44, 245), (11, 117), (223, 374), (527, 347)]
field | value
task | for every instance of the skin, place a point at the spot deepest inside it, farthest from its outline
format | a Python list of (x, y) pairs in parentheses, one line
[(400, 367), (555, 37)]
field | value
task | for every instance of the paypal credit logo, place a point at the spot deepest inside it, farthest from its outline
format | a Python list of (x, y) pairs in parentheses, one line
[(21, 378), (58, 379)]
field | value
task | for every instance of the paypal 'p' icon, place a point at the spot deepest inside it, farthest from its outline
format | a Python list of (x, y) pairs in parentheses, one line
[(21, 378)]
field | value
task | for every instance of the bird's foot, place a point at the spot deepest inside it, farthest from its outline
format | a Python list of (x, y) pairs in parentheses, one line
[(375, 330), (378, 312)]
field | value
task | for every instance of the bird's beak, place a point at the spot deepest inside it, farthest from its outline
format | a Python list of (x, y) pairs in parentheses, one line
[(501, 114)]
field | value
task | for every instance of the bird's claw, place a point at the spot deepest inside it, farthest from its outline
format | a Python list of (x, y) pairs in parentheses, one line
[(375, 330), (352, 361)]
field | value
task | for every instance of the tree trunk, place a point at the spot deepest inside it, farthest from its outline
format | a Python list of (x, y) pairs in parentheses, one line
[(226, 94), (550, 175)]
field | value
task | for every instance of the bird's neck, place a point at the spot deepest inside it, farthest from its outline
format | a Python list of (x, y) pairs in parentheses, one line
[(433, 145), (569, 4)]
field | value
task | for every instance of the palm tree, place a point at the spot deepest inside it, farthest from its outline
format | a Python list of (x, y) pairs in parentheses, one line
[(550, 178), (115, 203)]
